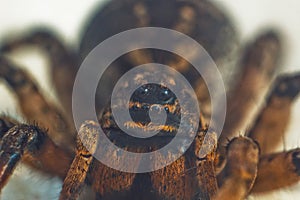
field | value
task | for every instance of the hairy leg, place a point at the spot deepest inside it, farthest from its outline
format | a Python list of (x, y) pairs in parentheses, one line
[(257, 69), (35, 106), (273, 119), (29, 143), (238, 176), (277, 171), (63, 62), (77, 173)]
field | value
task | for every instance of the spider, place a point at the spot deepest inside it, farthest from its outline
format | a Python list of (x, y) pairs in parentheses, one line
[(232, 170)]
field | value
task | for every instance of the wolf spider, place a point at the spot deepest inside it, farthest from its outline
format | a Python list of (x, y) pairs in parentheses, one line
[(241, 163)]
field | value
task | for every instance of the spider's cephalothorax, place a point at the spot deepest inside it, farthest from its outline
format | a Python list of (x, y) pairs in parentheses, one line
[(205, 170), (149, 98)]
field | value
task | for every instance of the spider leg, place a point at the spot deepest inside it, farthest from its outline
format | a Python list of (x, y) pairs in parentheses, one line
[(207, 179), (63, 62), (5, 124), (277, 170), (77, 173), (257, 69), (273, 119), (32, 145), (238, 176), (282, 169), (34, 105)]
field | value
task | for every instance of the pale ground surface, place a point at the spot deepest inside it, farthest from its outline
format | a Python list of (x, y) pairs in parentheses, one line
[(67, 18)]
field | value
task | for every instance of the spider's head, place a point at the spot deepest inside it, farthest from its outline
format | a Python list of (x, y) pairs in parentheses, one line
[(146, 103), (151, 108), (155, 99)]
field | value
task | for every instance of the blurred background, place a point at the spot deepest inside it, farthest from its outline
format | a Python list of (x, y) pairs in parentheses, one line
[(68, 17)]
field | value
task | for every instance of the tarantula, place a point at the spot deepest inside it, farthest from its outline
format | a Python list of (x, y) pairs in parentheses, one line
[(235, 166)]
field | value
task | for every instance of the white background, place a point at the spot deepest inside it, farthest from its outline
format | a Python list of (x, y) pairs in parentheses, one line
[(67, 18)]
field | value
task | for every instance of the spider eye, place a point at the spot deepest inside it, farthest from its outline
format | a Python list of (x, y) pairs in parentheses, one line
[(145, 107), (166, 95), (146, 90), (167, 109), (166, 92)]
